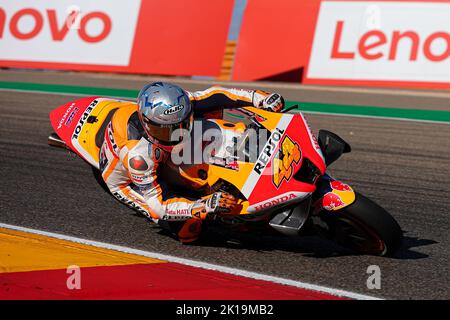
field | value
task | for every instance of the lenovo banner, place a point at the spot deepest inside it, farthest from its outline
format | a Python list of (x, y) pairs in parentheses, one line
[(177, 37), (381, 43), (58, 31)]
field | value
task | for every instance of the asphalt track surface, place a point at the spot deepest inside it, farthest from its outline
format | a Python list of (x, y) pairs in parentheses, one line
[(402, 165)]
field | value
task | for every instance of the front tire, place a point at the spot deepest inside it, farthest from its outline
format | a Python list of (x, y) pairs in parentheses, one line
[(364, 227)]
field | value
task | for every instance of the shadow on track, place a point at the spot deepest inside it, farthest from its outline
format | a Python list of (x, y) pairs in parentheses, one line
[(308, 246), (405, 252)]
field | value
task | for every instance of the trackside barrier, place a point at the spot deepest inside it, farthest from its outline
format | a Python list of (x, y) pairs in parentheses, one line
[(177, 37), (372, 43), (381, 43)]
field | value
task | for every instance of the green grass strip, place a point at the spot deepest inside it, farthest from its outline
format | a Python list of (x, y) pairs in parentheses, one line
[(75, 90), (395, 113), (368, 111)]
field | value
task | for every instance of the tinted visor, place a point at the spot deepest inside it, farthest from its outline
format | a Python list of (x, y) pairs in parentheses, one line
[(167, 134)]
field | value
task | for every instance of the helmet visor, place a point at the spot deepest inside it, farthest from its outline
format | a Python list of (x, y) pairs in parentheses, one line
[(168, 134)]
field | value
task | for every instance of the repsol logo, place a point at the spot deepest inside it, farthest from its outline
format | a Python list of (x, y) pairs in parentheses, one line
[(111, 139), (83, 119), (174, 109), (268, 150)]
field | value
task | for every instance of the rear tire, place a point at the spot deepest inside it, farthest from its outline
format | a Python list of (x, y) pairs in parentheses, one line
[(365, 227)]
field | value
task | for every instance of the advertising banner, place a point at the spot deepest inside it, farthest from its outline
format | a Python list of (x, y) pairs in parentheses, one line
[(58, 31), (395, 43), (177, 37)]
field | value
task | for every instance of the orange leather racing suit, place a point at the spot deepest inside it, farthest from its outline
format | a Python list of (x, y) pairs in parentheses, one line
[(129, 162)]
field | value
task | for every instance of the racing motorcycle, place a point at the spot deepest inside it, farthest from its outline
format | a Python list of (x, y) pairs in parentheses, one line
[(282, 184)]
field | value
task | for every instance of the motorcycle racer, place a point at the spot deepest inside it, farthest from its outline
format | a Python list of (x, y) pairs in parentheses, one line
[(138, 141)]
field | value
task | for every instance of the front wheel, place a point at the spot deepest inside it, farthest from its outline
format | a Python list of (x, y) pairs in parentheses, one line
[(364, 227)]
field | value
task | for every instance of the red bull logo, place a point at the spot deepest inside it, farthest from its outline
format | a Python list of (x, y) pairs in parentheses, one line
[(339, 186), (332, 201)]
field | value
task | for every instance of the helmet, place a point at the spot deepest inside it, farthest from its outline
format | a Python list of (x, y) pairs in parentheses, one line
[(163, 108)]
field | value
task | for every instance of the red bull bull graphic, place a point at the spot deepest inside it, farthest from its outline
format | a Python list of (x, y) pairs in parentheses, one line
[(336, 195), (331, 201), (339, 186)]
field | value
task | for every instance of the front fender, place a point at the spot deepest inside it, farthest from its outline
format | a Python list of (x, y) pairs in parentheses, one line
[(332, 195)]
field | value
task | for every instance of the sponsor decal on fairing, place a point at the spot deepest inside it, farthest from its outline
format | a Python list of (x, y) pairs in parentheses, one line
[(284, 199), (63, 118), (313, 138), (79, 128), (337, 196), (70, 117), (332, 201), (283, 163), (340, 186), (83, 119), (268, 150), (266, 155)]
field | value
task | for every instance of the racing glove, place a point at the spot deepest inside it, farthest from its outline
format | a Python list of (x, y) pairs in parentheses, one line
[(271, 102), (218, 202)]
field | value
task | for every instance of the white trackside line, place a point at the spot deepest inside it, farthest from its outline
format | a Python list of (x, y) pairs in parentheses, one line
[(198, 264)]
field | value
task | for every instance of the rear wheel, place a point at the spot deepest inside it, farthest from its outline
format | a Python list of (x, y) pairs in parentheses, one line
[(364, 227)]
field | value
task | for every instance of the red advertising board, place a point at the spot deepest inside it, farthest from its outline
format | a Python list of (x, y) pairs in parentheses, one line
[(354, 42), (177, 37), (275, 38)]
